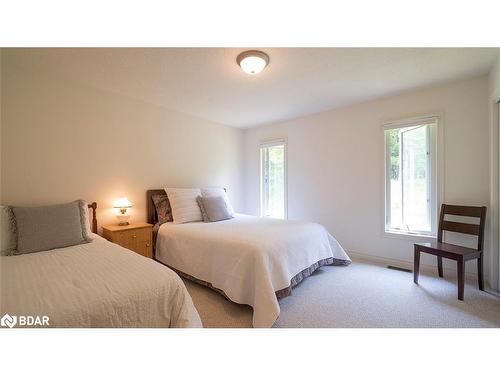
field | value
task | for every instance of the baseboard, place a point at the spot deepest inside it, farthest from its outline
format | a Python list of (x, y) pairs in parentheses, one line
[(384, 261)]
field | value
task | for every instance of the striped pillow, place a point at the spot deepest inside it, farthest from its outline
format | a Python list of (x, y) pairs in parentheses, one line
[(185, 209)]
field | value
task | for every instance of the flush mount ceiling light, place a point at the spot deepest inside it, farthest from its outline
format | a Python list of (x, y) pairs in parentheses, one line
[(252, 62)]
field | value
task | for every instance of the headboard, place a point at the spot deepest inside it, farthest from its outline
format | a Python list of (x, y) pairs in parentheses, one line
[(93, 206), (152, 218)]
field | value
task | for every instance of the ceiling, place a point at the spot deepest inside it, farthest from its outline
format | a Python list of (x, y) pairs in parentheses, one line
[(207, 82)]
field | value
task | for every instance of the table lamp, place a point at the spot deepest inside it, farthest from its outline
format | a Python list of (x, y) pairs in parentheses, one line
[(122, 204)]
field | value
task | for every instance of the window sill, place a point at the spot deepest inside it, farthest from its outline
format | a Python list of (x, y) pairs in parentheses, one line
[(409, 236)]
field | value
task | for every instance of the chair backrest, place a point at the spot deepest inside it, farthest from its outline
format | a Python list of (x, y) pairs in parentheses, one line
[(453, 226)]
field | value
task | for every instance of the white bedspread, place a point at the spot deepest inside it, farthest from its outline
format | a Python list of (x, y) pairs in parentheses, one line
[(98, 284), (247, 257)]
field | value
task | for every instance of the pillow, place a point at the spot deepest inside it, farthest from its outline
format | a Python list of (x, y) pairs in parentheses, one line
[(185, 209), (85, 219), (163, 209), (49, 227), (8, 231), (202, 209), (214, 208), (218, 191)]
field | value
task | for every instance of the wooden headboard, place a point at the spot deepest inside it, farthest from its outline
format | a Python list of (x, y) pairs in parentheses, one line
[(152, 218), (93, 206)]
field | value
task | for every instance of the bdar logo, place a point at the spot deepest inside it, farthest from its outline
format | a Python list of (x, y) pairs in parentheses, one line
[(24, 321), (8, 321)]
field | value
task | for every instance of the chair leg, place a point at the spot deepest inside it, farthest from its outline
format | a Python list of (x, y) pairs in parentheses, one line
[(461, 279), (440, 266), (480, 277), (416, 265)]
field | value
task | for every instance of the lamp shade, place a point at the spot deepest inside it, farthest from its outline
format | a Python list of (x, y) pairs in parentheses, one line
[(122, 203)]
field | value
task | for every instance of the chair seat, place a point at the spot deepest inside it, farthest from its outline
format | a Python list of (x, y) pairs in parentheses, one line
[(448, 250)]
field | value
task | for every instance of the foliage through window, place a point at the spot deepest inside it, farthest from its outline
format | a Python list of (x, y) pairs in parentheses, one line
[(273, 185), (410, 186)]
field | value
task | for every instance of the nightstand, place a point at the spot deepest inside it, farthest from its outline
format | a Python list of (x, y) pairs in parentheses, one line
[(137, 237)]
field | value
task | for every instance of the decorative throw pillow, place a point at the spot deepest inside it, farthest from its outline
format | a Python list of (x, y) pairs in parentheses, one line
[(8, 231), (49, 227), (163, 209), (214, 208), (218, 191), (185, 209)]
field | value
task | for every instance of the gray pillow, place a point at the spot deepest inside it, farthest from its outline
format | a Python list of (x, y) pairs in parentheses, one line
[(214, 208), (49, 227)]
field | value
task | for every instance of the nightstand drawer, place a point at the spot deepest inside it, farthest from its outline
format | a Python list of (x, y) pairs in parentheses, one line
[(136, 237), (144, 248)]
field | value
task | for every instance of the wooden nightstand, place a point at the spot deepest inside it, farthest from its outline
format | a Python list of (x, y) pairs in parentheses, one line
[(137, 237)]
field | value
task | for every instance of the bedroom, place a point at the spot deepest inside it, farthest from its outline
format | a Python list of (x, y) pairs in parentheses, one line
[(182, 186)]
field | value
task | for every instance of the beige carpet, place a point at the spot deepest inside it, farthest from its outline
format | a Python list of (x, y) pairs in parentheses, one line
[(362, 295)]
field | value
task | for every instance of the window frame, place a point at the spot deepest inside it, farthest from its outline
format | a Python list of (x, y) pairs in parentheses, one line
[(435, 148), (266, 144)]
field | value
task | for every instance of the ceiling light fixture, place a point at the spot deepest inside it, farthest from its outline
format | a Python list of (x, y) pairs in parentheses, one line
[(252, 62)]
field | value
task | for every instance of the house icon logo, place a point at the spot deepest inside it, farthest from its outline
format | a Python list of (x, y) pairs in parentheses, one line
[(8, 321)]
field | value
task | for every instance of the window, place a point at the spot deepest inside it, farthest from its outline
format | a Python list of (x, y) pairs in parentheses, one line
[(410, 183), (273, 179)]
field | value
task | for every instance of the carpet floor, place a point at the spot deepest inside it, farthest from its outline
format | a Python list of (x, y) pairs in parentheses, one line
[(362, 295)]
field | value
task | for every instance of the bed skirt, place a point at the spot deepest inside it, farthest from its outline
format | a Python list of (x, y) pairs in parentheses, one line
[(298, 278), (282, 293)]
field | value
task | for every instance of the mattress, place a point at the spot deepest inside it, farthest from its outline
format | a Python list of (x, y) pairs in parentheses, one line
[(249, 258), (98, 284)]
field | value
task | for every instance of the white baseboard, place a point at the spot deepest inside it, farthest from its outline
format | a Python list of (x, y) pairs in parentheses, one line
[(401, 263), (383, 261)]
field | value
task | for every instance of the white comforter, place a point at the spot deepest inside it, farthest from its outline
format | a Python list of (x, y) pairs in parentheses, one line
[(98, 284), (247, 257)]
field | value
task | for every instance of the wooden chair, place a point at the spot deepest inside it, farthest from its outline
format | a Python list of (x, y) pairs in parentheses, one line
[(460, 254)]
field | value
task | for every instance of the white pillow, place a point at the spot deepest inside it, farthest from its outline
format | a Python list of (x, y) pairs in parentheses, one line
[(215, 192), (85, 217), (8, 240), (185, 209)]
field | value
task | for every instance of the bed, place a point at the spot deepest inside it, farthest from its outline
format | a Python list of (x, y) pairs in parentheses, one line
[(250, 260), (97, 284)]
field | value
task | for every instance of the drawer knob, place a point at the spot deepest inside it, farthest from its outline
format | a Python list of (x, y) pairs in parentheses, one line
[(134, 236), (147, 244)]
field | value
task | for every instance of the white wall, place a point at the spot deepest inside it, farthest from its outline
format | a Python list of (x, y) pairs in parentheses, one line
[(0, 123), (494, 97), (61, 142), (336, 169)]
